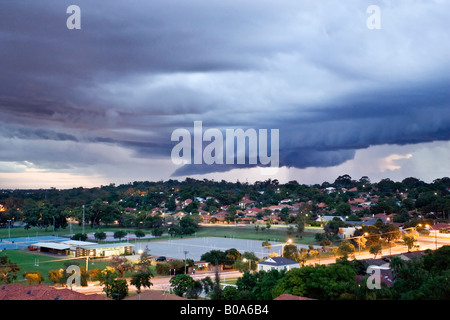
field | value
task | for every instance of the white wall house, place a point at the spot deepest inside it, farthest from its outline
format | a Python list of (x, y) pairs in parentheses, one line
[(278, 263)]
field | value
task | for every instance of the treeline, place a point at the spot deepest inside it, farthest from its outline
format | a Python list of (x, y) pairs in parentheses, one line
[(105, 205)]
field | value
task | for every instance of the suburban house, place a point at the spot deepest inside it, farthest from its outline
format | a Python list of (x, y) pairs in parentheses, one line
[(345, 233), (278, 263), (245, 201)]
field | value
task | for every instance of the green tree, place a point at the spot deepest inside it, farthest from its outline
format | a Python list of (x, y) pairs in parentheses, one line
[(375, 250), (230, 293), (8, 270), (106, 279), (120, 234), (181, 283), (346, 249), (215, 257), (410, 239), (80, 236), (119, 289), (141, 279), (188, 225), (100, 235), (290, 251), (139, 234)]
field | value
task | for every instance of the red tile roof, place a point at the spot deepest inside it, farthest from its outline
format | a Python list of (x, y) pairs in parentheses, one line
[(441, 225), (43, 292), (286, 296), (154, 295)]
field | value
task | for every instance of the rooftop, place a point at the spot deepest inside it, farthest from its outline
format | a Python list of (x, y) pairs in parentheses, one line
[(43, 292), (278, 261)]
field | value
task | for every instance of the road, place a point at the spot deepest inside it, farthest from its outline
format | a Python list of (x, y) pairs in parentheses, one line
[(424, 242), (161, 282)]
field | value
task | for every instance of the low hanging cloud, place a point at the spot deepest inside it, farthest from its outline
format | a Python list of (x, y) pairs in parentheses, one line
[(137, 71)]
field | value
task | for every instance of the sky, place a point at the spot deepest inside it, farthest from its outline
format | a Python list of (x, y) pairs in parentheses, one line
[(98, 105)]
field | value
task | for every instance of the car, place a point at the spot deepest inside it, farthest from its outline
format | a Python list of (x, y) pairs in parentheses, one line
[(161, 258)]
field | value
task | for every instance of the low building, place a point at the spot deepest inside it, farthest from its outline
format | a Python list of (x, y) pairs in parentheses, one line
[(278, 263), (345, 233), (104, 250), (66, 247)]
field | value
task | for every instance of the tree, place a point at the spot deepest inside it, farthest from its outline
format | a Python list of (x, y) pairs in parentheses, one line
[(290, 251), (121, 265), (217, 289), (80, 236), (119, 289), (208, 284), (100, 235), (247, 262), (181, 283), (119, 234), (232, 255), (230, 293), (324, 282), (325, 242), (215, 257), (343, 209), (375, 250), (344, 181), (139, 234), (188, 225), (410, 239), (346, 249), (8, 270), (106, 278), (266, 244), (141, 279)]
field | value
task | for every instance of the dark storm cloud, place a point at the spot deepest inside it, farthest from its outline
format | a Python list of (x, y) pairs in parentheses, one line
[(137, 70)]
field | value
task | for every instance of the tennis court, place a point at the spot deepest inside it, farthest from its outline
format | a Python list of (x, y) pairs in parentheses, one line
[(23, 242), (196, 247)]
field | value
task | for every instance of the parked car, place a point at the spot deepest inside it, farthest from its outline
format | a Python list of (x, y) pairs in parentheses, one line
[(161, 258)]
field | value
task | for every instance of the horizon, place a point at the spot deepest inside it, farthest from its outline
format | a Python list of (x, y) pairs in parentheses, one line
[(331, 182)]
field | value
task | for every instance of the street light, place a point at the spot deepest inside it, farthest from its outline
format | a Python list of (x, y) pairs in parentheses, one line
[(9, 230), (185, 253), (249, 263)]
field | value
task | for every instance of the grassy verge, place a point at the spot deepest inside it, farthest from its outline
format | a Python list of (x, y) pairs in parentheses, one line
[(250, 233), (28, 261)]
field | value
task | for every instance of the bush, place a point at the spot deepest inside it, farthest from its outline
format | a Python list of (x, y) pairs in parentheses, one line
[(162, 269), (33, 277)]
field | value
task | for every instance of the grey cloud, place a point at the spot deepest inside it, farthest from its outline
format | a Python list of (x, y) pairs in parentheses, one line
[(137, 71)]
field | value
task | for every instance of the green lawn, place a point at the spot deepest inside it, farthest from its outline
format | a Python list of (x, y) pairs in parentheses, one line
[(35, 231), (249, 232), (28, 261)]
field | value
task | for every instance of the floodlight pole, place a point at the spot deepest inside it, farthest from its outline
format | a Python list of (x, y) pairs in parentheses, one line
[(83, 218), (9, 230), (185, 253)]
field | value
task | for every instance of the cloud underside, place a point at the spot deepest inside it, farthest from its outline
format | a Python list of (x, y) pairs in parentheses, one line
[(114, 91)]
